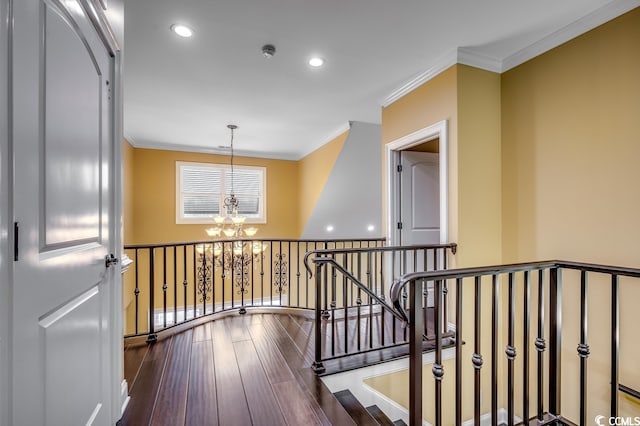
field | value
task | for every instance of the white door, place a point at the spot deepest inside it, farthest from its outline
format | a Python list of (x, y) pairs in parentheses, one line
[(63, 141), (419, 209), (419, 198)]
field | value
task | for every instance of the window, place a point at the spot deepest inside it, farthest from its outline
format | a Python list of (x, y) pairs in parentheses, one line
[(201, 189)]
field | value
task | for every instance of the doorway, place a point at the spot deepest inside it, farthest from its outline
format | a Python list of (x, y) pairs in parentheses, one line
[(394, 167)]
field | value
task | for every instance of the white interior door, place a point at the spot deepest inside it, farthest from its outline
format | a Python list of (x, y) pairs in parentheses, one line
[(63, 141), (420, 209), (419, 198)]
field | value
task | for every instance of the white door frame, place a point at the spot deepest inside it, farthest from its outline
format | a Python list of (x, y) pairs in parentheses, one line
[(392, 155)]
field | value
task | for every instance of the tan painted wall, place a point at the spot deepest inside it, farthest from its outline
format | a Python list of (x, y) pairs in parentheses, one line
[(469, 99), (128, 161), (315, 169), (428, 104), (155, 194), (570, 131), (128, 153)]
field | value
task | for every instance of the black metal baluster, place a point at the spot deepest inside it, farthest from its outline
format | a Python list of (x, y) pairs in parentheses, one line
[(175, 285), (525, 347), (369, 299), (415, 355), (287, 268), (615, 343), (540, 345), (583, 346), (332, 314), (476, 359), (458, 351), (358, 301), (136, 292), (318, 367), (345, 293), (494, 350), (555, 340), (297, 274), (195, 282), (164, 287), (152, 337), (223, 270), (438, 370), (262, 272), (253, 268), (510, 351), (185, 283), (280, 280), (326, 288), (306, 293)]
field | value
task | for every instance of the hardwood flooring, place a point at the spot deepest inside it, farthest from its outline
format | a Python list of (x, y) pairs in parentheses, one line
[(238, 370)]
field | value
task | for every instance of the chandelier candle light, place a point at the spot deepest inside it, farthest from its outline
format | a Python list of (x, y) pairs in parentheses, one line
[(233, 256)]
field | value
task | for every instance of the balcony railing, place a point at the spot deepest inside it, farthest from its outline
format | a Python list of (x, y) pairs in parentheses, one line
[(353, 315), (520, 297), (173, 284)]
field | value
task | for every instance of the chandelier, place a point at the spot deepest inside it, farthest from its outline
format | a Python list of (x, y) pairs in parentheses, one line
[(232, 255), (230, 223)]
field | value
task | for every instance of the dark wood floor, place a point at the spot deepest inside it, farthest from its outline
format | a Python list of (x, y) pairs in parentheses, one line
[(239, 370)]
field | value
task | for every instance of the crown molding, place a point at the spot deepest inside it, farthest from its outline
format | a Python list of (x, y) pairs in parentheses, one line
[(331, 136), (596, 18), (443, 63), (467, 56), (216, 151)]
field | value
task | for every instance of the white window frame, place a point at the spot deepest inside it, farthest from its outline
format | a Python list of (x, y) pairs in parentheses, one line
[(262, 206)]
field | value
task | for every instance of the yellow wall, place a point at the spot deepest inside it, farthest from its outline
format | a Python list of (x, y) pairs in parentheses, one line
[(570, 132), (128, 160), (155, 194), (570, 156), (128, 153), (428, 104), (544, 165), (314, 171), (469, 98)]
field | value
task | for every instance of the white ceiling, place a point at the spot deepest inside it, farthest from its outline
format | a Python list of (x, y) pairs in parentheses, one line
[(181, 93)]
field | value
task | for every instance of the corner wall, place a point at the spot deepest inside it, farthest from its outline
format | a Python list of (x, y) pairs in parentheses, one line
[(348, 201), (315, 169)]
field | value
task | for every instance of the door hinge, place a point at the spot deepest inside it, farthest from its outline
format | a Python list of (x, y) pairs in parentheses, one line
[(399, 168), (399, 225), (110, 260), (16, 242)]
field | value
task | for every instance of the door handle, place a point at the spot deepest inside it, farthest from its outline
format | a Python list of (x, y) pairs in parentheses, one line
[(110, 260)]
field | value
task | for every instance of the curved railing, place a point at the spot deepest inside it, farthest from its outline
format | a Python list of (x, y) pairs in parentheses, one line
[(168, 285)]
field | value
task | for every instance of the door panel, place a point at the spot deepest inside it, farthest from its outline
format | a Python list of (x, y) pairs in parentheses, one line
[(420, 198), (62, 121), (71, 183), (420, 209)]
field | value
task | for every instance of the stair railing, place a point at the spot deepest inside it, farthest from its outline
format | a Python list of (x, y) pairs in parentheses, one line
[(353, 316), (517, 278)]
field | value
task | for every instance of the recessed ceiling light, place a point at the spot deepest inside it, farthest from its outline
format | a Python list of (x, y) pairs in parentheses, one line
[(182, 30), (316, 62), (370, 228), (329, 228)]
